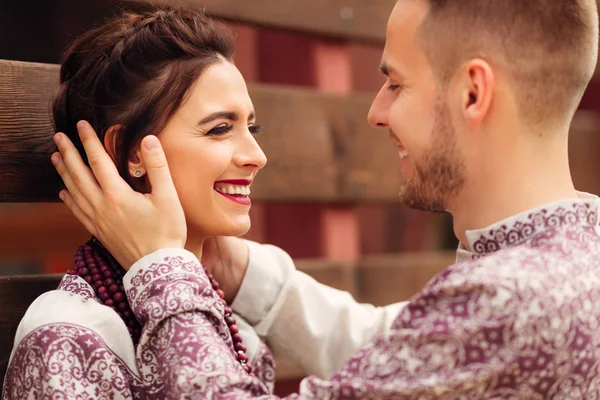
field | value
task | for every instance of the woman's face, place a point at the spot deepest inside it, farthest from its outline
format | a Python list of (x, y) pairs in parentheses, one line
[(212, 154)]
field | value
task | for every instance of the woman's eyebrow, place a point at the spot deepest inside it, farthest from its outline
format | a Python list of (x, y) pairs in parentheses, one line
[(232, 116), (219, 115)]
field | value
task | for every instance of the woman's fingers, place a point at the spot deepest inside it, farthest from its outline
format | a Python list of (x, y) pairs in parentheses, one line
[(75, 194), (66, 197), (80, 177), (100, 162), (155, 160)]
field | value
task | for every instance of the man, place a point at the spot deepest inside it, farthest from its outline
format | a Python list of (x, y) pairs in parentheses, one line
[(479, 98)]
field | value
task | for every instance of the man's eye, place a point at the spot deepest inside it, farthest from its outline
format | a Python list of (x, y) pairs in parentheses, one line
[(219, 130)]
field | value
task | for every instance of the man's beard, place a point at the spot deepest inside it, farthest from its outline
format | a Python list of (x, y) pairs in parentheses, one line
[(441, 174)]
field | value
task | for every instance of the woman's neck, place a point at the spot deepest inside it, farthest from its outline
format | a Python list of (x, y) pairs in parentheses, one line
[(194, 244)]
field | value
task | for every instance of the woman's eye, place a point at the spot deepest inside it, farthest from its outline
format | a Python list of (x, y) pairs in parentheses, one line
[(219, 130), (255, 129), (392, 88)]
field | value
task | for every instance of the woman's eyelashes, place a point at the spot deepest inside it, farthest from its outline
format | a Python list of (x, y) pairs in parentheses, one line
[(393, 87), (220, 130), (255, 129), (226, 128)]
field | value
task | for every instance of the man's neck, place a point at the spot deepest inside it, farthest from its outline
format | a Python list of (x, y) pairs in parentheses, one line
[(526, 181)]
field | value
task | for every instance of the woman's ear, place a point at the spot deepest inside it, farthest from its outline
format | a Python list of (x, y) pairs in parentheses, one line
[(135, 165), (110, 141)]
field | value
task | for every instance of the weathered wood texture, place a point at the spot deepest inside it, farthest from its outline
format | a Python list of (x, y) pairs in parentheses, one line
[(320, 147), (362, 20), (26, 90)]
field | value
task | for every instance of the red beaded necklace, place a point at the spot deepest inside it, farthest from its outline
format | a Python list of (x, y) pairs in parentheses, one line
[(100, 269)]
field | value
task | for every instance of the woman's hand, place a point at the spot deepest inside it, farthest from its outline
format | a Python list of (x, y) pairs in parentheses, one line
[(129, 224)]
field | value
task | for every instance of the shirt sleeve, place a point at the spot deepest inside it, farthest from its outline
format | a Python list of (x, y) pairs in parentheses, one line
[(329, 325), (185, 348)]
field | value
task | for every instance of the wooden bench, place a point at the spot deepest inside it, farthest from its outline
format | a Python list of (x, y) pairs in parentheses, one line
[(321, 151)]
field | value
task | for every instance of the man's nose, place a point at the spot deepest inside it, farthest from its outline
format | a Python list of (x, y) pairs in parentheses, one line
[(378, 112)]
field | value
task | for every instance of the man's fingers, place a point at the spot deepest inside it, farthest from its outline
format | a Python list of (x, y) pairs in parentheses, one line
[(72, 185), (66, 197), (102, 165), (158, 170)]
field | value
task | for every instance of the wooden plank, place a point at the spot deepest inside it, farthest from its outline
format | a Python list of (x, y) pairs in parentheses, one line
[(584, 145), (26, 90), (32, 231), (297, 123), (338, 274), (362, 20), (387, 279), (320, 147), (298, 143), (367, 156)]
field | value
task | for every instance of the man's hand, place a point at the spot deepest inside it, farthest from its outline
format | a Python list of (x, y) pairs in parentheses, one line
[(129, 224), (226, 258)]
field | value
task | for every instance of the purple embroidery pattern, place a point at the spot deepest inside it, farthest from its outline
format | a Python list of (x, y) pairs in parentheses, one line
[(75, 285), (536, 222), (265, 367), (62, 361), (198, 361)]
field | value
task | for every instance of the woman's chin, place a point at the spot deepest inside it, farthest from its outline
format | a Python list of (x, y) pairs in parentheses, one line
[(237, 227)]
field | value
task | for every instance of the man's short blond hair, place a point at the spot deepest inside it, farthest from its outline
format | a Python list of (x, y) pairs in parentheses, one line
[(548, 48)]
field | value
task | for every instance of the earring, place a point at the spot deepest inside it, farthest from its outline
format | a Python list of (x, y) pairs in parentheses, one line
[(138, 173)]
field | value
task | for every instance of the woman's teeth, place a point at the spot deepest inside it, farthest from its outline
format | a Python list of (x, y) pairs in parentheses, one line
[(403, 154), (234, 189)]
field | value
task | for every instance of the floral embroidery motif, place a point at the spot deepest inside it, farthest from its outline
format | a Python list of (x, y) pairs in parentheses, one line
[(534, 223), (68, 362), (75, 285)]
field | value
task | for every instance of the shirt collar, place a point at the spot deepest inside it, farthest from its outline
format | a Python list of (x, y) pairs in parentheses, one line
[(522, 227)]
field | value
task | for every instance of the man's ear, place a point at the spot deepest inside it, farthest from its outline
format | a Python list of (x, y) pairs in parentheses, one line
[(478, 89)]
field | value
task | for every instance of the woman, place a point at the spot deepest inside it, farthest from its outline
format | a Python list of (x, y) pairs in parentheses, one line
[(170, 74)]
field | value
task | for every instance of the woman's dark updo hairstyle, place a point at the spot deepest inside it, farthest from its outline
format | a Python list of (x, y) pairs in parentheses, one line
[(134, 73)]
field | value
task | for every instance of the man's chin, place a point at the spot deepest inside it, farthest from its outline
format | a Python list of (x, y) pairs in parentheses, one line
[(418, 199)]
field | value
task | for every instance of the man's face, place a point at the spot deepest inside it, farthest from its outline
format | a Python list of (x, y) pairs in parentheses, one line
[(414, 108)]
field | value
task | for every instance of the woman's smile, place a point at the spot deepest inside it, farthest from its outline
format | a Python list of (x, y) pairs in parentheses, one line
[(236, 190)]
